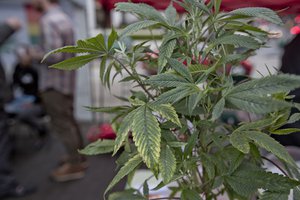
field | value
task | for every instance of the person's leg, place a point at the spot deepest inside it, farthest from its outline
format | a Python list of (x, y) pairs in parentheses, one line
[(5, 148), (9, 187), (6, 183), (60, 108)]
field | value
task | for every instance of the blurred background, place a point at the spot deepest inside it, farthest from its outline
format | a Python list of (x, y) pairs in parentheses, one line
[(32, 163)]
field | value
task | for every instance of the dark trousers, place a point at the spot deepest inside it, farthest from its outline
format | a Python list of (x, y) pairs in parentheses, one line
[(60, 108), (7, 180)]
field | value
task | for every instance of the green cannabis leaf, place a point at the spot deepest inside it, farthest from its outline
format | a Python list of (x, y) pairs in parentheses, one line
[(180, 121)]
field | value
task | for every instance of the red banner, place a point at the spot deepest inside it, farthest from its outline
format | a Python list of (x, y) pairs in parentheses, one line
[(290, 6)]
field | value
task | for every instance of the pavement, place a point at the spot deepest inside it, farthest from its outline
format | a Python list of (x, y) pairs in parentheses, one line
[(32, 167)]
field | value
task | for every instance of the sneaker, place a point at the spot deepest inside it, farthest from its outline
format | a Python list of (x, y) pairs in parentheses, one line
[(68, 172)]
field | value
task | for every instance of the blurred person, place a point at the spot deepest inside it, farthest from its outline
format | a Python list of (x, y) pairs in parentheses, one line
[(290, 64), (9, 186), (25, 76), (25, 105), (57, 88)]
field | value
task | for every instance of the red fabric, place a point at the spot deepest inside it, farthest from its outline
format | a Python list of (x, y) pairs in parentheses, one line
[(104, 131), (295, 30), (292, 6), (247, 67), (160, 5)]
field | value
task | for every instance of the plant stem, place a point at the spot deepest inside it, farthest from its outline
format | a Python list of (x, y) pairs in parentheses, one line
[(249, 116), (204, 43), (155, 41), (180, 46), (276, 165), (144, 181), (217, 194), (203, 33), (199, 174), (137, 80)]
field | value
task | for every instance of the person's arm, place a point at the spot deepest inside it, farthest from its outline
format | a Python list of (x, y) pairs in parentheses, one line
[(7, 28), (5, 32)]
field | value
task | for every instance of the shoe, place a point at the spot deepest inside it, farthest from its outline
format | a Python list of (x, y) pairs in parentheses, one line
[(66, 159), (20, 191), (68, 172)]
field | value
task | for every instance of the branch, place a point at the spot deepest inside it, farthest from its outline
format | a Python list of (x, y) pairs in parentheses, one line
[(145, 181), (276, 165), (137, 80)]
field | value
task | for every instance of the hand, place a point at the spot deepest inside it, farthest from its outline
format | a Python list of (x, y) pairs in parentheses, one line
[(35, 53), (14, 23)]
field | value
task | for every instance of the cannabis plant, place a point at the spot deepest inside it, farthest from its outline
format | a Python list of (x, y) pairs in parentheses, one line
[(171, 123)]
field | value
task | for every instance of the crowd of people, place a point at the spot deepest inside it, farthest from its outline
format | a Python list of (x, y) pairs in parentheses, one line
[(34, 91)]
